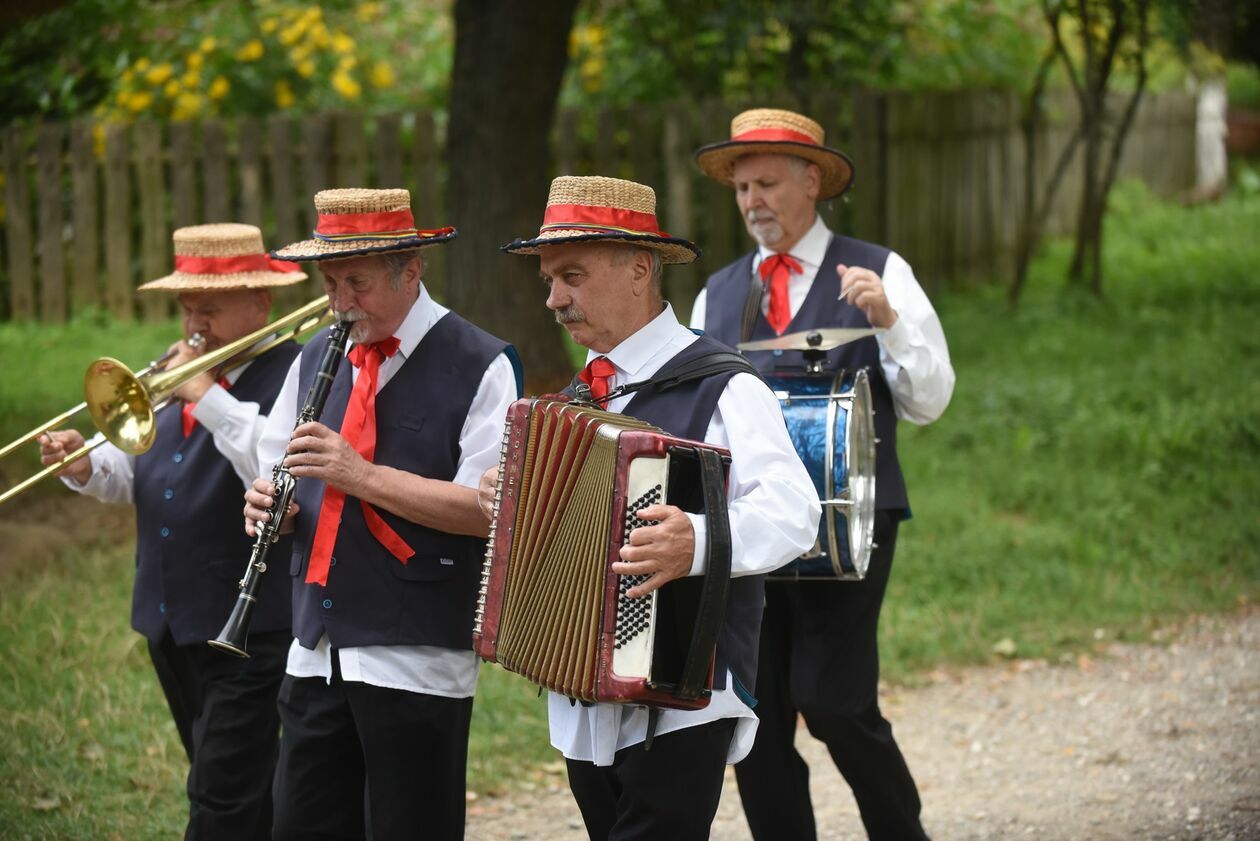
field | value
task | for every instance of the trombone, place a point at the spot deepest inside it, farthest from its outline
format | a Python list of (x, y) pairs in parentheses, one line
[(123, 404)]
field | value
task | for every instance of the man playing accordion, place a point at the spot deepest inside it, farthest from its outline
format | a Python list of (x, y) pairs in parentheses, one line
[(637, 773)]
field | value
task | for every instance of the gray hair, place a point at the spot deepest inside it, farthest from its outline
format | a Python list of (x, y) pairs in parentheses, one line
[(396, 262), (624, 254)]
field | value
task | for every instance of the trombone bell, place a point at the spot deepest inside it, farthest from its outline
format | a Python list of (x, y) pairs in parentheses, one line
[(119, 405)]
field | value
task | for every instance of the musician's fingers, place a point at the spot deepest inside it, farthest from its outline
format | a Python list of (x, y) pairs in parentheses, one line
[(655, 582), (313, 429), (636, 566)]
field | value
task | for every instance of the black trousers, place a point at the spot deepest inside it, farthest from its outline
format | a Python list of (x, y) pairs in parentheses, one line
[(668, 792), (360, 761), (225, 710), (819, 656)]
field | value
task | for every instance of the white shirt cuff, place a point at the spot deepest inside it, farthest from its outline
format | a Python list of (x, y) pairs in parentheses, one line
[(897, 339), (213, 408), (702, 543)]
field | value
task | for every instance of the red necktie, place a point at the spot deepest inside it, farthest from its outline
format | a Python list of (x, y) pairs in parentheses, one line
[(358, 427), (598, 374), (189, 422), (777, 268)]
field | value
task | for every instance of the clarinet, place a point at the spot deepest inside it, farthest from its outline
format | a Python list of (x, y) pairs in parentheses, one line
[(233, 637)]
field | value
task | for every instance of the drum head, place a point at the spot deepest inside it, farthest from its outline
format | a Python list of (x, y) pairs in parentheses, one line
[(860, 438)]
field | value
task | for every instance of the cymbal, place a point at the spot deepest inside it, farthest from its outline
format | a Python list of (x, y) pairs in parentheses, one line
[(822, 339)]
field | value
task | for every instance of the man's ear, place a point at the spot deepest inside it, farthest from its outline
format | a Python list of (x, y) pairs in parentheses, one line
[(813, 181), (641, 279)]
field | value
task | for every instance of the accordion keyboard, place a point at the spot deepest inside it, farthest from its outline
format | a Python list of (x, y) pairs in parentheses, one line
[(634, 615)]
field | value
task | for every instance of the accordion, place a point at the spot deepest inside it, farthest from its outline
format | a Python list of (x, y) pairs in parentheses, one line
[(571, 479)]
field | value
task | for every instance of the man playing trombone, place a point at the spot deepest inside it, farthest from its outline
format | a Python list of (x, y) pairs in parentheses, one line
[(189, 546)]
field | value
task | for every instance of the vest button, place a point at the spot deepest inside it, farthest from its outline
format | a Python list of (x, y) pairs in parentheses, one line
[(162, 607), (332, 562), (168, 493), (327, 604), (165, 532), (777, 352), (177, 458)]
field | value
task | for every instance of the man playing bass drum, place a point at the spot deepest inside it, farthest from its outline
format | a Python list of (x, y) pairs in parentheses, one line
[(189, 547), (818, 639)]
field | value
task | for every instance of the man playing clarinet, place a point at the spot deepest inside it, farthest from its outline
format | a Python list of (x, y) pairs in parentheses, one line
[(377, 698)]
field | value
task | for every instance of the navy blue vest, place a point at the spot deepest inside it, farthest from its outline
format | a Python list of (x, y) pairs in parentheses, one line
[(191, 547), (686, 412), (371, 598), (726, 292)]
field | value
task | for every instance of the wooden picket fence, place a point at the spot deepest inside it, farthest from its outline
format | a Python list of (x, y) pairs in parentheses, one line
[(89, 210)]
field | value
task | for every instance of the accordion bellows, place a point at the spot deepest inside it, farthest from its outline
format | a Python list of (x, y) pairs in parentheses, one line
[(571, 479)]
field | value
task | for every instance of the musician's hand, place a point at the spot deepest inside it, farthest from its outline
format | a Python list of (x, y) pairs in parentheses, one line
[(486, 490), (258, 502), (56, 445), (865, 290), (315, 451), (196, 388), (664, 551)]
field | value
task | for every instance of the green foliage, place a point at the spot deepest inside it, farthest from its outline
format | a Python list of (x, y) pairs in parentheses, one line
[(1096, 468), (1242, 86), (64, 63), (182, 59), (1094, 473)]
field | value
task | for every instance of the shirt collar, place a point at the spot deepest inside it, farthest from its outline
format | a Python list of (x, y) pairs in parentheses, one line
[(638, 350), (424, 313), (810, 250)]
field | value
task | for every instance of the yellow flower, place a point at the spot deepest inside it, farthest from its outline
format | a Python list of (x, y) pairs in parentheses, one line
[(191, 79), (269, 26), (187, 106), (159, 74), (367, 12), (290, 36), (195, 60), (141, 65), (342, 43), (300, 53), (313, 14), (252, 51), (381, 75), (127, 75), (139, 101), (347, 63), (319, 36), (345, 85), (284, 95), (305, 69), (171, 89), (208, 44), (219, 88)]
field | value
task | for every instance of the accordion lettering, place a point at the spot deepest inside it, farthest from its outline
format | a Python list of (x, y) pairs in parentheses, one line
[(571, 480)]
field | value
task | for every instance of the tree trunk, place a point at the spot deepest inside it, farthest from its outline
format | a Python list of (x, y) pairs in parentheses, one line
[(509, 61)]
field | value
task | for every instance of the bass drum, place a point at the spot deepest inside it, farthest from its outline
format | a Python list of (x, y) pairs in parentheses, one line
[(832, 426)]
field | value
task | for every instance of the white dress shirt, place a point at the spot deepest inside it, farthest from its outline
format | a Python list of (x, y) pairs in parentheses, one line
[(774, 515), (912, 352), (414, 668), (236, 426)]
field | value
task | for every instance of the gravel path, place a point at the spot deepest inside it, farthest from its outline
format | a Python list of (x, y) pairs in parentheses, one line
[(1135, 742)]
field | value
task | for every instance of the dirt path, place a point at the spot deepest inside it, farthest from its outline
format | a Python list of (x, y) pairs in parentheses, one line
[(1138, 742)]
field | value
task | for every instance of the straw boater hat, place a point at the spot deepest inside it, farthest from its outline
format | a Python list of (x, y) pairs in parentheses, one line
[(354, 222), (213, 258), (593, 208), (772, 131)]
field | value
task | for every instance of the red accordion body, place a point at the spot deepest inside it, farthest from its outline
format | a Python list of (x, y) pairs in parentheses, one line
[(571, 479)]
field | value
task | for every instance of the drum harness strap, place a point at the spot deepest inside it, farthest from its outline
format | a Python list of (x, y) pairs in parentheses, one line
[(716, 582)]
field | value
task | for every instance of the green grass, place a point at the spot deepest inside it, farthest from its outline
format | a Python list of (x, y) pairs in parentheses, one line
[(1097, 469)]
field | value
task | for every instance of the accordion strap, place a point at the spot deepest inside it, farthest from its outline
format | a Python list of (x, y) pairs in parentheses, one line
[(717, 577), (718, 362)]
